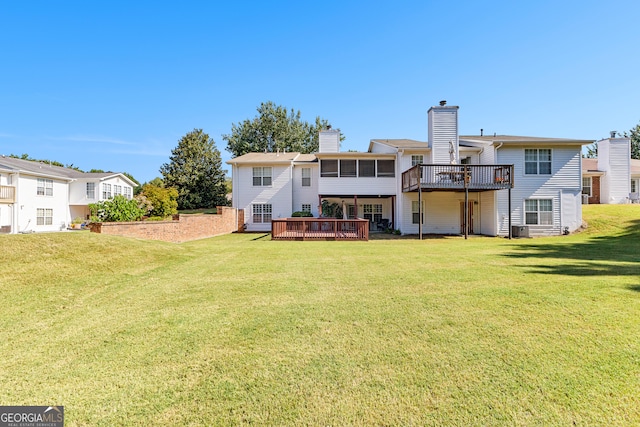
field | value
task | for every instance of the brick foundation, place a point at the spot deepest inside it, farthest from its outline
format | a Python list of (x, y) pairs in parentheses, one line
[(182, 228)]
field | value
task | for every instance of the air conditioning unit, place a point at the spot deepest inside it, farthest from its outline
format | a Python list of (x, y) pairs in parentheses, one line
[(585, 199), (519, 231)]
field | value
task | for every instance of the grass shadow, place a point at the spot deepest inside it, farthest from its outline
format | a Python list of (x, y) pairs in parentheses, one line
[(262, 236), (598, 255)]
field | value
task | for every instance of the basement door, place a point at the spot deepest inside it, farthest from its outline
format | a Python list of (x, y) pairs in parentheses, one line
[(470, 217)]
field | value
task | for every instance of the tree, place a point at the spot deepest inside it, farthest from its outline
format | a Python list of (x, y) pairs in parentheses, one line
[(25, 156), (275, 129), (634, 134), (592, 151), (162, 202), (195, 170)]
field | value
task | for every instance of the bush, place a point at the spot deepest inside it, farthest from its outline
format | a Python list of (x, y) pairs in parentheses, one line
[(302, 214), (118, 209), (161, 201)]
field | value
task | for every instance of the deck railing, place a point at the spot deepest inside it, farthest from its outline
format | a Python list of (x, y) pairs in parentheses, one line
[(458, 177), (319, 229), (7, 194)]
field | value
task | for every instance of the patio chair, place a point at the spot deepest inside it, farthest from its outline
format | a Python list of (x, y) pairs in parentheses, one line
[(634, 198), (383, 224)]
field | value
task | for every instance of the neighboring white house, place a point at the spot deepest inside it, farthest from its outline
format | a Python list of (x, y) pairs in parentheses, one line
[(36, 196), (613, 177), (522, 181)]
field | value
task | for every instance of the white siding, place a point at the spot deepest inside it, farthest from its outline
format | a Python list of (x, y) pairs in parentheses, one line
[(376, 147), (565, 181), (488, 216), (329, 141), (442, 212), (614, 159), (443, 127), (278, 194), (113, 181), (6, 214), (305, 195), (78, 192), (488, 155), (358, 186), (29, 202)]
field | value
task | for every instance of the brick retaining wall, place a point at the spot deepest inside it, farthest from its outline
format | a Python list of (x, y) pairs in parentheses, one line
[(183, 228)]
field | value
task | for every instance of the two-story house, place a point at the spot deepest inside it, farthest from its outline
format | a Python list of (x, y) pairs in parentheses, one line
[(36, 196), (449, 184)]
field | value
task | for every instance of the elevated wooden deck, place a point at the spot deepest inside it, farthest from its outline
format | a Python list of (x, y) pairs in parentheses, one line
[(438, 177), (319, 229)]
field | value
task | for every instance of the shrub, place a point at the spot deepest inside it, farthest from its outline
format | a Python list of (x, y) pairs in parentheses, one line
[(117, 209), (163, 201), (302, 214)]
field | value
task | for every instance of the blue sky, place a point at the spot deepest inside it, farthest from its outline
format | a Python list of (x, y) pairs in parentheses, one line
[(114, 85)]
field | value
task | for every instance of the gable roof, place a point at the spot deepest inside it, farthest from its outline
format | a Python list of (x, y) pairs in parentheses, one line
[(306, 158), (400, 143), (48, 170), (523, 140), (264, 158), (591, 166)]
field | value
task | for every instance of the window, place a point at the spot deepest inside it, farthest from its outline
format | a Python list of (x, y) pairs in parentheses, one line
[(351, 211), (45, 187), (417, 159), (415, 212), (366, 168), (537, 161), (377, 213), (91, 190), (306, 207), (261, 213), (372, 212), (586, 186), (538, 212), (106, 191), (347, 168), (386, 168), (117, 189), (634, 185), (127, 192), (44, 216), (262, 177), (329, 168), (306, 177), (367, 212)]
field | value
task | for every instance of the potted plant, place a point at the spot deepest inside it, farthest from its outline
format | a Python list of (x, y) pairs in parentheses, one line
[(76, 224)]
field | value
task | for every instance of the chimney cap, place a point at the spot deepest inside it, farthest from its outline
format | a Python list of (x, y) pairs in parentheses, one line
[(443, 102)]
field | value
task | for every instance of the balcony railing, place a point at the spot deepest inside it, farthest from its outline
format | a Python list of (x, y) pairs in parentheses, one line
[(458, 177), (319, 229), (7, 194)]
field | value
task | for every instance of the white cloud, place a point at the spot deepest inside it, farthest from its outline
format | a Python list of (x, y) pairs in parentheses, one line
[(92, 138)]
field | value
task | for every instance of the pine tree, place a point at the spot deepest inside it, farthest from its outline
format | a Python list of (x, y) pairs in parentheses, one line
[(195, 170)]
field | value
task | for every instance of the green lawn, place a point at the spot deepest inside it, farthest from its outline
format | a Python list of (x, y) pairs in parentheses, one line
[(242, 330)]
